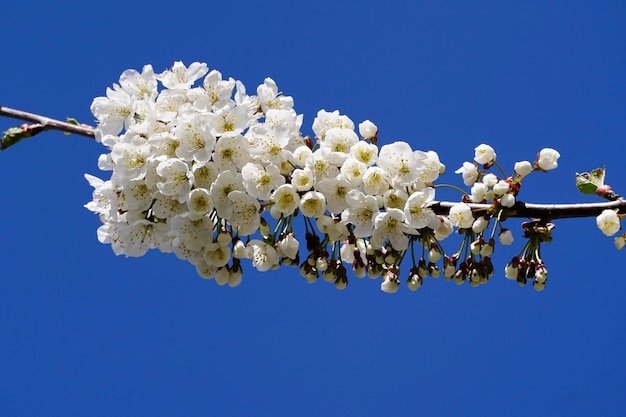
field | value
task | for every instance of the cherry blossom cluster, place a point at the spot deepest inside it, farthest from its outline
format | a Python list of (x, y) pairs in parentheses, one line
[(204, 170)]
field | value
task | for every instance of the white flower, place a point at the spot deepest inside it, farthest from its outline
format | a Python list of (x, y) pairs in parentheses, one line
[(245, 216), (505, 237), (286, 200), (215, 94), (490, 180), (390, 283), (469, 173), (301, 154), (620, 242), (195, 141), (480, 224), (313, 204), (367, 130), (204, 175), (181, 77), (338, 143), (478, 191), (399, 163), (229, 120), (484, 154), (271, 98), (137, 238), (417, 214), (193, 233), (176, 178), (507, 200), (199, 202), (608, 221), (289, 246), (326, 120), (394, 198), (114, 112), (374, 181), (130, 159), (429, 166), (335, 230), (216, 254), (141, 86), (231, 152), (547, 159), (361, 213), (224, 184), (501, 188), (320, 167), (511, 271), (365, 152), (335, 191), (263, 256), (392, 225), (461, 216), (353, 171), (445, 229), (260, 181), (523, 168), (302, 179)]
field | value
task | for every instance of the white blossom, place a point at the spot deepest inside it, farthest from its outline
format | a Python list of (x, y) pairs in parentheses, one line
[(505, 237), (175, 178), (361, 213), (484, 154), (285, 199), (367, 130), (523, 168), (399, 163), (391, 224), (416, 210), (313, 204), (181, 77), (461, 216), (547, 159), (608, 222), (263, 256), (469, 173), (245, 217)]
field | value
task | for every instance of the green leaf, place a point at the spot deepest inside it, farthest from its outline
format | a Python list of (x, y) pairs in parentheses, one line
[(597, 176), (584, 184), (12, 136), (588, 183), (71, 121)]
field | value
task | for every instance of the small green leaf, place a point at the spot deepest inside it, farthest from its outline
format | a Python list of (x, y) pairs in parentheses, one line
[(12, 136), (588, 183), (72, 121), (597, 176), (584, 184)]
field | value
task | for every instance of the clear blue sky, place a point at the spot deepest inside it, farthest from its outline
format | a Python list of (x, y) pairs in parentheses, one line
[(86, 333)]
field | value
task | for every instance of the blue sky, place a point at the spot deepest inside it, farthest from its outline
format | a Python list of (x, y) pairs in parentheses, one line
[(86, 333)]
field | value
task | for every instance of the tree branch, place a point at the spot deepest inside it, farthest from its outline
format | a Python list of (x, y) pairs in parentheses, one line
[(41, 124), (544, 212)]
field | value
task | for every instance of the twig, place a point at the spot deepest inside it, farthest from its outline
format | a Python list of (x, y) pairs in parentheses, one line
[(41, 124)]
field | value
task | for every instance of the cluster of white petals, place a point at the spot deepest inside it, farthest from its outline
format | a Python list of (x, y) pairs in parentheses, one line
[(202, 169), (199, 168)]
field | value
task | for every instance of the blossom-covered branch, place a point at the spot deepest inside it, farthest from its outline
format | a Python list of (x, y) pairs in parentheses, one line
[(216, 175)]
